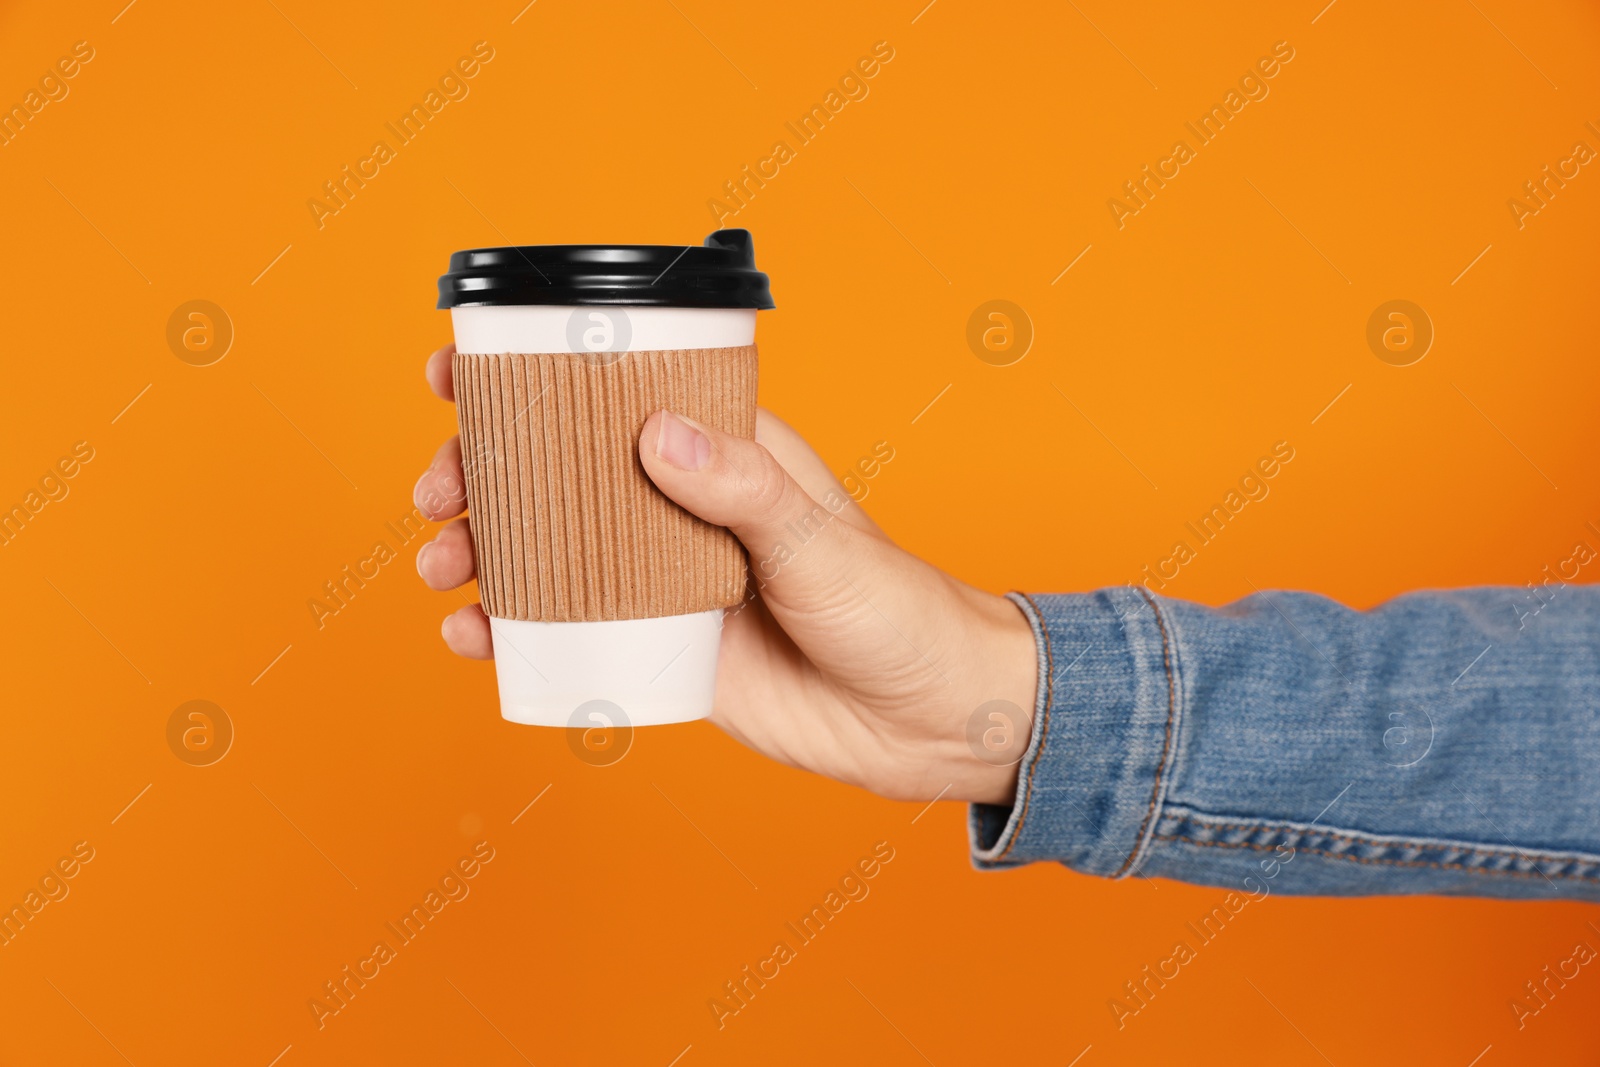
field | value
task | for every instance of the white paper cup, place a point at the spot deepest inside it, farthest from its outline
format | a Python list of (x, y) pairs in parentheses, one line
[(655, 670)]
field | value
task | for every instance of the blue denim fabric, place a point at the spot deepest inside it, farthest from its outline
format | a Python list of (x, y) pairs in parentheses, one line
[(1444, 742)]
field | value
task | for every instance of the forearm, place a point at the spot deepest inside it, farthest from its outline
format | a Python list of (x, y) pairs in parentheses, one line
[(1446, 742)]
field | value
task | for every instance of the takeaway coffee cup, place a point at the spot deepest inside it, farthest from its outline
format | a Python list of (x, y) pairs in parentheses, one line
[(601, 593)]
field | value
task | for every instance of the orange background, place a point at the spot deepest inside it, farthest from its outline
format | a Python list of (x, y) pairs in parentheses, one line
[(367, 760)]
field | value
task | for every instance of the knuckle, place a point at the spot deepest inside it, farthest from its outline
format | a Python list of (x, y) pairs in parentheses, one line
[(768, 486)]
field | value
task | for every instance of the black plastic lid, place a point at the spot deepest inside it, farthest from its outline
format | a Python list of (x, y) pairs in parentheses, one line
[(719, 274)]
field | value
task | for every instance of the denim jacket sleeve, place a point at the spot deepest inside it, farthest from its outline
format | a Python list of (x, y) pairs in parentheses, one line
[(1444, 742)]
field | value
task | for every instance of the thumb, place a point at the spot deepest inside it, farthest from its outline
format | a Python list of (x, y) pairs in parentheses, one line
[(793, 539)]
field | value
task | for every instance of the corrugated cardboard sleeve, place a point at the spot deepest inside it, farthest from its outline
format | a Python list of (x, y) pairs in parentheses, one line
[(567, 526)]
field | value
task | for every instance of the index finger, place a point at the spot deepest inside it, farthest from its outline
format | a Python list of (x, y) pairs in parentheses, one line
[(438, 373)]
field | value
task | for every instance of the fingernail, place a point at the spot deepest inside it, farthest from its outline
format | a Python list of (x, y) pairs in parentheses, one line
[(680, 444), (421, 555), (416, 490)]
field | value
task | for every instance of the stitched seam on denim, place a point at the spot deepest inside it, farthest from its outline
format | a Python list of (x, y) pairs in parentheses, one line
[(1378, 860), (1044, 725), (1166, 741), (1438, 846)]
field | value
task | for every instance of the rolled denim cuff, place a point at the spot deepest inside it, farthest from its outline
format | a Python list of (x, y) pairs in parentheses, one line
[(1105, 729)]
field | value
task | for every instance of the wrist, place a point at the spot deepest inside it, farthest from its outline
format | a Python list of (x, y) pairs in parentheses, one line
[(989, 734)]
